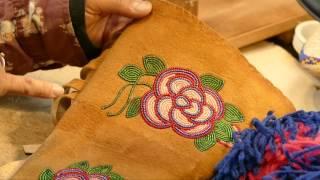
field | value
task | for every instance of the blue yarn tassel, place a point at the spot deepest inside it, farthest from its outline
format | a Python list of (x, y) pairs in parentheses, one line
[(248, 151)]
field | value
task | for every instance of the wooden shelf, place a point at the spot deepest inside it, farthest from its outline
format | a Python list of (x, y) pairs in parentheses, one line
[(243, 22)]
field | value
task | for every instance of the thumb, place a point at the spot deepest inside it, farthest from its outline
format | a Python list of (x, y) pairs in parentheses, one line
[(22, 85), (127, 8)]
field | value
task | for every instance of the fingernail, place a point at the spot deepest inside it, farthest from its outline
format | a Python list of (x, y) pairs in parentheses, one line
[(57, 90), (142, 6)]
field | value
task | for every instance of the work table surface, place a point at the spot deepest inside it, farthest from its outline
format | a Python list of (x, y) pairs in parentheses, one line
[(243, 22)]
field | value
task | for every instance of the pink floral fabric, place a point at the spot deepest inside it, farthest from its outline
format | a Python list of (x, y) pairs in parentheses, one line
[(38, 34), (179, 101)]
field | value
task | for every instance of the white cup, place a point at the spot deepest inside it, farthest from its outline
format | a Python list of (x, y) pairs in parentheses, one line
[(303, 32)]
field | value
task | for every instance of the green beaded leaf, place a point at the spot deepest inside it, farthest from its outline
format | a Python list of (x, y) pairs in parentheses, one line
[(115, 176), (47, 174), (133, 108), (84, 165), (205, 143), (212, 82), (102, 170), (223, 131), (233, 114), (153, 64), (130, 73)]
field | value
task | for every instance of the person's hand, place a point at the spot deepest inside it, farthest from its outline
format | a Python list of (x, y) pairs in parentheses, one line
[(26, 86), (106, 18)]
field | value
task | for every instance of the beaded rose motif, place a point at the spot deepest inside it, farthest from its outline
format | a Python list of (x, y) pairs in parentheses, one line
[(81, 171), (181, 100)]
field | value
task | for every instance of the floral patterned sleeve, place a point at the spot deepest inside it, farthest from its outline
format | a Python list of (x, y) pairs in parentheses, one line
[(39, 34)]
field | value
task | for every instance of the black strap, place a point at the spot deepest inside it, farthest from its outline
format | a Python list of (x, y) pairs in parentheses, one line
[(77, 13), (312, 7)]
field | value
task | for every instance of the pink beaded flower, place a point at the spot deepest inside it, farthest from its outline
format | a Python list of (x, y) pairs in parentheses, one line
[(75, 173), (81, 171), (179, 101)]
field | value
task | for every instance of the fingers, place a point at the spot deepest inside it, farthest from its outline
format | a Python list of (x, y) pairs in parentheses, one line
[(113, 28), (22, 85), (128, 8)]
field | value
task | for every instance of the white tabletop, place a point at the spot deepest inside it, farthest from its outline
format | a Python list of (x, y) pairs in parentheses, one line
[(282, 69)]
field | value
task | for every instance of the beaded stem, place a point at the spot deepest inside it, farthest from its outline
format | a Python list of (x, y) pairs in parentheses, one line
[(134, 85), (127, 102), (104, 107)]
